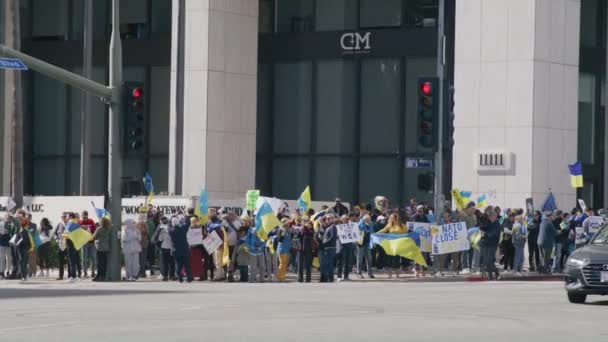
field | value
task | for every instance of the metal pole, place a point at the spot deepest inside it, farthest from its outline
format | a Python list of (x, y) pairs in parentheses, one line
[(440, 75), (114, 157), (87, 66)]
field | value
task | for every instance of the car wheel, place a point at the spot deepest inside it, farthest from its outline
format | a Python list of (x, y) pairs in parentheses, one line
[(577, 298)]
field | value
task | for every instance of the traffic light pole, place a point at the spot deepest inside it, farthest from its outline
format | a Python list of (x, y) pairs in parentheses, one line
[(110, 94), (439, 198)]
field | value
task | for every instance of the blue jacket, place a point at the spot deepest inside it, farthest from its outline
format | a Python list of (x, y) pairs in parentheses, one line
[(366, 228), (179, 236), (284, 237)]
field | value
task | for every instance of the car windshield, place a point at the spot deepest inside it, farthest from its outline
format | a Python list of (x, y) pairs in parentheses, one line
[(601, 237)]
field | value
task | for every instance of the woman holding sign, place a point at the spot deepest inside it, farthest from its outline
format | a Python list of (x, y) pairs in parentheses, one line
[(394, 226)]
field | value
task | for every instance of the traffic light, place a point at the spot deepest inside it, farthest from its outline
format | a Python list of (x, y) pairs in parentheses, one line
[(134, 114), (449, 116), (428, 96)]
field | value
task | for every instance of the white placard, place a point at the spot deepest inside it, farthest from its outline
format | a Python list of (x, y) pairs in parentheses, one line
[(348, 233), (595, 222), (212, 242), (582, 204), (424, 230), (195, 236), (450, 238)]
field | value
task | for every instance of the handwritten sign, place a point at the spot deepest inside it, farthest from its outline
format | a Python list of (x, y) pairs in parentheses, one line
[(450, 238), (212, 242), (348, 233), (251, 198), (424, 230), (195, 236)]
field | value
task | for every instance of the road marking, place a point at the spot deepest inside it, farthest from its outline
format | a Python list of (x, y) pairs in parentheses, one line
[(32, 327)]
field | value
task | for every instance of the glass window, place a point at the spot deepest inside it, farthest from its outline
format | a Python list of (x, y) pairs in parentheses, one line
[(49, 177), (379, 176), (263, 135), (380, 105), (50, 124), (262, 175), (421, 13), (589, 10), (336, 15), (158, 111), (290, 176), (292, 107), (161, 16), (336, 106), (386, 15), (334, 177), (266, 16), (50, 19), (295, 15), (586, 117)]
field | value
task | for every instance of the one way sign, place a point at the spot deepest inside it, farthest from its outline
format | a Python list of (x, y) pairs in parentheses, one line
[(12, 63)]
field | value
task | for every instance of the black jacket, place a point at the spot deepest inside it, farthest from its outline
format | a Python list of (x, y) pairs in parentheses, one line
[(491, 235)]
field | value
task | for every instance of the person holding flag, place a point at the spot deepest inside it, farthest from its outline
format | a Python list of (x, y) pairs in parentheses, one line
[(24, 245), (394, 226)]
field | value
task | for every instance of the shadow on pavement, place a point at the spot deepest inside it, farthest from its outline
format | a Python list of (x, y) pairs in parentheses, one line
[(41, 293), (599, 303)]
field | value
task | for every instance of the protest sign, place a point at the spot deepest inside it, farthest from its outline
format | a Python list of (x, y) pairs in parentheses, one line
[(579, 236), (449, 238), (348, 233), (212, 242), (530, 205), (195, 236), (424, 230), (595, 222), (251, 199), (581, 202)]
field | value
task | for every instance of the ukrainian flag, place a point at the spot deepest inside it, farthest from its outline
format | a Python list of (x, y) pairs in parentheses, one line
[(149, 188), (226, 251), (466, 196), (403, 245), (474, 237), (576, 175), (100, 212), (458, 199), (79, 236), (304, 200), (482, 201), (202, 210), (265, 221)]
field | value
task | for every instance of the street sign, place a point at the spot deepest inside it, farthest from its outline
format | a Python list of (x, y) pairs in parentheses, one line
[(419, 163), (12, 63)]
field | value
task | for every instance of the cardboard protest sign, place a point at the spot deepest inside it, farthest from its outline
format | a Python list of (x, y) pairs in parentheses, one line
[(212, 242), (348, 233), (424, 230), (450, 238), (195, 236)]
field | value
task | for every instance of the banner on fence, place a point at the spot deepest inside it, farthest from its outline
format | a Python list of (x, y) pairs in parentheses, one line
[(424, 230), (450, 238)]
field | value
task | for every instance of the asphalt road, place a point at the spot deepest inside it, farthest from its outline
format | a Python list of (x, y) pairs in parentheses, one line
[(382, 311)]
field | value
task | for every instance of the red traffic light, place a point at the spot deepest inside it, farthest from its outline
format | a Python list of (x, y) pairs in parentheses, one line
[(137, 93), (426, 88)]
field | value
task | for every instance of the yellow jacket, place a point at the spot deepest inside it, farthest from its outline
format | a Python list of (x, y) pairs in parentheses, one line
[(394, 230)]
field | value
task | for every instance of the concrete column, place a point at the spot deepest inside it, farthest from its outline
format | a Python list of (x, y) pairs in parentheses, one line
[(220, 87), (516, 80)]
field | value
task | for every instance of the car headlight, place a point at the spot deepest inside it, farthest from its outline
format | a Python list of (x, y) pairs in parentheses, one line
[(576, 262)]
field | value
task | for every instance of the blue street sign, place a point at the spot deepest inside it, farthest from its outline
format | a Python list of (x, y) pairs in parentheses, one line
[(419, 163), (12, 63)]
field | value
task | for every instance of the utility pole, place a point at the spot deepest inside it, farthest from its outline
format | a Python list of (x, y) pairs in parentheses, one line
[(439, 198), (87, 66), (110, 94), (13, 103), (114, 157)]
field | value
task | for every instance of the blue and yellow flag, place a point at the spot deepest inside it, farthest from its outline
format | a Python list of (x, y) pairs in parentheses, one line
[(474, 237), (304, 200), (79, 236), (576, 174), (460, 204), (226, 251), (482, 201), (149, 188), (403, 245), (100, 212), (466, 196), (265, 221), (202, 209)]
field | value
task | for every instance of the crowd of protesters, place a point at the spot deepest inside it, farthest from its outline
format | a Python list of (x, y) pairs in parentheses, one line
[(302, 242)]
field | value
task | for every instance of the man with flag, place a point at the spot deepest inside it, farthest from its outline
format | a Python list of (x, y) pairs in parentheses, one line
[(76, 237)]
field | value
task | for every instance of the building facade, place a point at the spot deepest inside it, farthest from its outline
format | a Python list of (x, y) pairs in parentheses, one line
[(281, 94)]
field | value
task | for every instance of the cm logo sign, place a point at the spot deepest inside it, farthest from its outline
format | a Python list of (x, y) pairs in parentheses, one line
[(355, 42)]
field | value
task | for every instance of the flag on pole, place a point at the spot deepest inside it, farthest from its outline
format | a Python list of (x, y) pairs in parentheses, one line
[(202, 209), (149, 188), (576, 174), (304, 200), (100, 212), (482, 201)]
